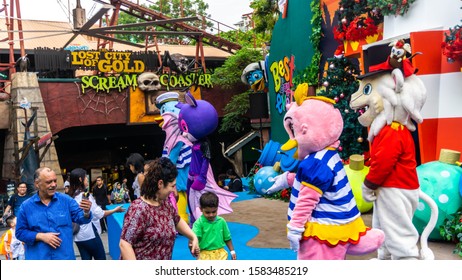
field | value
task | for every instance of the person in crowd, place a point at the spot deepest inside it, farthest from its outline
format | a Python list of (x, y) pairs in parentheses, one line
[(16, 246), (235, 183), (13, 247), (102, 197), (212, 231), (119, 194), (150, 224), (45, 220), (16, 200), (136, 164), (124, 184), (221, 180), (88, 238), (67, 184)]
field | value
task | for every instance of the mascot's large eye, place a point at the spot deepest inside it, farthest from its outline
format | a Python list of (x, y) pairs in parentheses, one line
[(367, 89)]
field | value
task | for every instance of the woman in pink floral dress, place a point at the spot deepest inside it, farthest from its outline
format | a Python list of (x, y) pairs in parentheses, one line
[(151, 222)]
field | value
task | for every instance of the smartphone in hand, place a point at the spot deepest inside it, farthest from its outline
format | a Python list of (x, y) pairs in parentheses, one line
[(86, 194)]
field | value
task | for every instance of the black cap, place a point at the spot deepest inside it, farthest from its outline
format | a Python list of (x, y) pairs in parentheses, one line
[(368, 74)]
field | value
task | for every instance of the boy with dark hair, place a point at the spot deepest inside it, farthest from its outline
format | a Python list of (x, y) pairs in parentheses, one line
[(13, 248), (212, 231)]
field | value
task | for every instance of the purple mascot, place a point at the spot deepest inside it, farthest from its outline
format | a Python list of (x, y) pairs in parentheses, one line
[(198, 119)]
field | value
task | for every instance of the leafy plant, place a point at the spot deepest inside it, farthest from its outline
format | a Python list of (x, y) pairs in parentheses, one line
[(234, 112), (264, 17), (283, 195), (451, 230), (310, 74), (229, 74), (251, 175), (393, 7)]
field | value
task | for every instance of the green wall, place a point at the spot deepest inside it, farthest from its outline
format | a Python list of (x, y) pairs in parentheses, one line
[(290, 42)]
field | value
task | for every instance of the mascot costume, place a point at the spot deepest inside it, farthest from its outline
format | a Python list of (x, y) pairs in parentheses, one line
[(254, 75), (324, 221), (393, 100), (198, 119), (176, 147)]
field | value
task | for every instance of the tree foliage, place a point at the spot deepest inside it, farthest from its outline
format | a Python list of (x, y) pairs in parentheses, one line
[(340, 83), (234, 118), (265, 15), (247, 39), (172, 9), (229, 74)]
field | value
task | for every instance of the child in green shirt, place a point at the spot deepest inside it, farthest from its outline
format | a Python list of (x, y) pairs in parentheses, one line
[(212, 231)]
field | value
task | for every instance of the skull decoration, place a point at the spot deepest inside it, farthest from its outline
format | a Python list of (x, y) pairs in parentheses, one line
[(148, 82)]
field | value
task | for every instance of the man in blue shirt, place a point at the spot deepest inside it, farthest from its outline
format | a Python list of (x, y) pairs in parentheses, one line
[(44, 222)]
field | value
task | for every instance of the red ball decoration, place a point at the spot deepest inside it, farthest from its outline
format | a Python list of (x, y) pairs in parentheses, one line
[(326, 83), (340, 148), (342, 95), (336, 99)]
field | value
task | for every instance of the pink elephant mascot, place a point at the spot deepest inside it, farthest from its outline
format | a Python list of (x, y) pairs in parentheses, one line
[(324, 221)]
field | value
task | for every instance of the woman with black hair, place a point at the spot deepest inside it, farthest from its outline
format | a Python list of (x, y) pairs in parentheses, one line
[(87, 238), (150, 225), (136, 164)]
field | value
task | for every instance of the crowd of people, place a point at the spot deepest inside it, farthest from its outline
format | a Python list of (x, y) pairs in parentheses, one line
[(45, 225)]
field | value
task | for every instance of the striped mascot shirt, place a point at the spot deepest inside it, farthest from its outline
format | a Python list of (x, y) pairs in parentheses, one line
[(180, 155), (336, 218)]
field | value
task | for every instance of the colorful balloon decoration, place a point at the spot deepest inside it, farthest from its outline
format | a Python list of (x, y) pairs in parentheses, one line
[(442, 181), (356, 173), (261, 181)]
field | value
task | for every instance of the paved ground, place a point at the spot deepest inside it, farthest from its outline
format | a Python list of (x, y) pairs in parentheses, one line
[(269, 216)]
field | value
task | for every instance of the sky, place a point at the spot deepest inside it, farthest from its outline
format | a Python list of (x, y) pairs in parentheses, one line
[(228, 12)]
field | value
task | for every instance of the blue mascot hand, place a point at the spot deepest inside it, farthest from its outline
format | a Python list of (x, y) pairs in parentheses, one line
[(197, 185), (294, 235), (280, 183)]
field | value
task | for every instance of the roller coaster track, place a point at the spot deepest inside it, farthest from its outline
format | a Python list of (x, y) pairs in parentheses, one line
[(151, 15)]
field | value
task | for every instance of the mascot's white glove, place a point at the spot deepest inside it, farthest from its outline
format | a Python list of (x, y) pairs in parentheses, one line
[(280, 183), (294, 235), (368, 194)]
